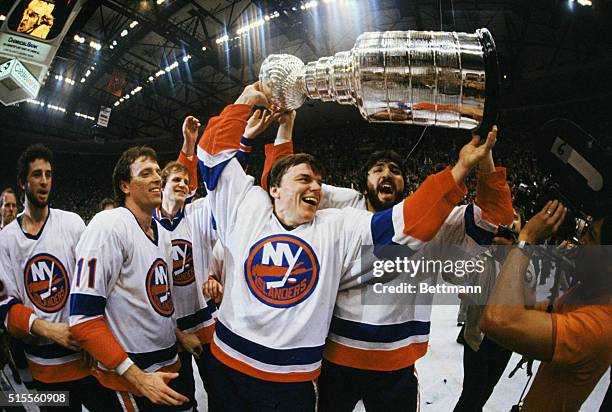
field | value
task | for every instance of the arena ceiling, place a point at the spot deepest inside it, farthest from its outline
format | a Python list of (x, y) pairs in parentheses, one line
[(175, 60)]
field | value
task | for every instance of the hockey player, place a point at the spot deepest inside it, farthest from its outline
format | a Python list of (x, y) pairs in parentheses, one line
[(37, 263), (284, 260), (8, 206), (190, 225), (372, 349), (121, 303)]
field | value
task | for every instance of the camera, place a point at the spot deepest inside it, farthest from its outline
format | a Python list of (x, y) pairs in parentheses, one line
[(576, 173)]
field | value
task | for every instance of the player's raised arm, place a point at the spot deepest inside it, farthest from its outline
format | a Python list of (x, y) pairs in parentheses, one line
[(419, 217), (187, 155), (282, 146), (476, 224), (224, 144)]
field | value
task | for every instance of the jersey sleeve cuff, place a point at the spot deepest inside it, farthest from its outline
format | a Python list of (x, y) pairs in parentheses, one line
[(124, 366), (33, 317)]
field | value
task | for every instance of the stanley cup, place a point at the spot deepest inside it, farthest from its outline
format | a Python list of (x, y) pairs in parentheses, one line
[(445, 79)]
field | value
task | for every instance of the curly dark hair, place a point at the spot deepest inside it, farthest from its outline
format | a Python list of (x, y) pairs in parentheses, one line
[(31, 153), (378, 156)]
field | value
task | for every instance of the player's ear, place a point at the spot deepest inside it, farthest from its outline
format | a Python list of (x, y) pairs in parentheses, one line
[(125, 187), (274, 192)]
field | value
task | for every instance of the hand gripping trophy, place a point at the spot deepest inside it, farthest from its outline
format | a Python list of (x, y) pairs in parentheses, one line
[(445, 79)]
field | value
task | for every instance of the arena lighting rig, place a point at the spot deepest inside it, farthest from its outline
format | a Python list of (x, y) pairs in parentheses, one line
[(223, 40)]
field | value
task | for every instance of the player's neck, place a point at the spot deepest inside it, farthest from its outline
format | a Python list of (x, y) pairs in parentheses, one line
[(143, 217), (171, 207), (35, 214), (34, 218)]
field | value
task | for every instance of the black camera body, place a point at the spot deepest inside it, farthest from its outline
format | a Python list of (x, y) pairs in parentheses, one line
[(577, 173)]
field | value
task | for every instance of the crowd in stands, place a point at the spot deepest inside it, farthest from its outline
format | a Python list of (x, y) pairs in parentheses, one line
[(80, 182)]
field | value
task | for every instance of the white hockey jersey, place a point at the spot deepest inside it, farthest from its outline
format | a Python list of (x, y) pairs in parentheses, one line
[(281, 284), (193, 238), (393, 335), (37, 274), (121, 301)]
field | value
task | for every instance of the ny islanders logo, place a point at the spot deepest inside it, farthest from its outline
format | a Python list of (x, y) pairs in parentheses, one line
[(182, 263), (281, 270), (158, 288), (46, 282)]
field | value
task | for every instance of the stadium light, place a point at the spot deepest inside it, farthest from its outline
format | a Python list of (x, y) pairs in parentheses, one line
[(56, 108), (36, 102), (82, 80), (160, 2), (94, 45), (222, 39), (136, 90), (79, 39), (172, 66), (124, 33), (203, 48), (151, 78), (84, 116), (133, 24), (2, 17), (116, 103), (186, 58), (160, 73)]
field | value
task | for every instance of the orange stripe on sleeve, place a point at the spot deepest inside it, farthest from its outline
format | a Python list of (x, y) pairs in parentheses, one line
[(96, 338), (192, 168), (274, 153), (19, 320), (224, 133), (494, 198), (432, 202), (258, 373)]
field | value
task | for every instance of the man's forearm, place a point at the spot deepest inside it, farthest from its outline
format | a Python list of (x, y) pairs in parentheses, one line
[(486, 165), (507, 300), (284, 134)]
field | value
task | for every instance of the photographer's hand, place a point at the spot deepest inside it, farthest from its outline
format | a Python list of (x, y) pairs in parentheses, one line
[(544, 224)]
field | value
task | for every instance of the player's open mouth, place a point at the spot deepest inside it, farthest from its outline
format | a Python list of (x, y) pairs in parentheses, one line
[(155, 190), (311, 200), (386, 189)]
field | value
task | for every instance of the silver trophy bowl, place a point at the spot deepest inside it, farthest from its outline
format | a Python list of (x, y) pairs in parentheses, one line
[(428, 78)]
